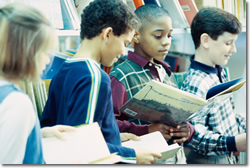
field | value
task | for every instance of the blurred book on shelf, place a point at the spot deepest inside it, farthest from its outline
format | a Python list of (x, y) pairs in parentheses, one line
[(176, 13), (50, 8), (80, 5), (57, 59), (235, 7), (138, 3), (189, 8), (173, 62), (71, 20), (156, 2)]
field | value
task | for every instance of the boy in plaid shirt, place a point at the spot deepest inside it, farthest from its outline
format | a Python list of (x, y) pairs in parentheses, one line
[(152, 42), (221, 133)]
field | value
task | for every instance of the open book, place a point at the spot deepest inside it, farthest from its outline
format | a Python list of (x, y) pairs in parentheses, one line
[(154, 141), (86, 145), (160, 103)]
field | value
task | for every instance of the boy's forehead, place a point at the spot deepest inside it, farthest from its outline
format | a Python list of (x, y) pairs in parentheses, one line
[(163, 22), (228, 36)]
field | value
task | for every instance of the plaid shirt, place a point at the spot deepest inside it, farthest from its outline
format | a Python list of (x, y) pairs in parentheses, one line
[(127, 79), (215, 133)]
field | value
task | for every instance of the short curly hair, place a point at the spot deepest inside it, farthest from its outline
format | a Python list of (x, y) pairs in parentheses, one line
[(147, 13), (100, 14)]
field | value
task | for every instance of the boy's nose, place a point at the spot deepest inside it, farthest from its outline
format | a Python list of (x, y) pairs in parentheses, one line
[(233, 49), (166, 41)]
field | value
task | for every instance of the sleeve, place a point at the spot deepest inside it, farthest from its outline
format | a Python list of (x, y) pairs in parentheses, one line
[(241, 122), (191, 133), (48, 117), (125, 153), (17, 121), (204, 139), (120, 97)]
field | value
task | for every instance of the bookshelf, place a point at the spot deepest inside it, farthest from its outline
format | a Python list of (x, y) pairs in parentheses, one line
[(62, 33), (182, 45)]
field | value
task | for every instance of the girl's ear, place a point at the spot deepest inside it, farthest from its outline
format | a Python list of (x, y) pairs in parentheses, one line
[(136, 37), (107, 33), (204, 40)]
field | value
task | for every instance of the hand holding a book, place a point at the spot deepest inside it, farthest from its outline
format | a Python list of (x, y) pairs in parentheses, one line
[(181, 133), (127, 136), (164, 129), (145, 156), (57, 131)]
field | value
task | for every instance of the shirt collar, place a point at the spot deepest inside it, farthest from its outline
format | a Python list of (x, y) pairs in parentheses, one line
[(78, 59), (143, 61), (203, 67)]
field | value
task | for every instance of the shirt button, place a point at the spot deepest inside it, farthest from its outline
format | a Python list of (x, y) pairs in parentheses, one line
[(150, 64)]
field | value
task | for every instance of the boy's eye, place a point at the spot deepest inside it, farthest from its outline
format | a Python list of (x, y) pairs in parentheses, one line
[(229, 43), (170, 35), (157, 37)]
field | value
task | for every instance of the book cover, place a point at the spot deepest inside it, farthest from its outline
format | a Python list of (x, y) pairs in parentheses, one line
[(176, 13), (80, 5), (138, 3), (160, 103), (189, 8), (154, 141), (131, 5), (173, 62), (52, 68), (86, 145), (156, 2), (71, 20)]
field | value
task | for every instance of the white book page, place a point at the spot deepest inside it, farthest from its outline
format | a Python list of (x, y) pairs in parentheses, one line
[(154, 141), (82, 146)]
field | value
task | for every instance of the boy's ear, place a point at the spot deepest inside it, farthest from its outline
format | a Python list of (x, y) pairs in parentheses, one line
[(136, 37), (204, 40), (106, 33)]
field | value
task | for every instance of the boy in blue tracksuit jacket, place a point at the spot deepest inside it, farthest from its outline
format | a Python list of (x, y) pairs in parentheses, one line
[(80, 93)]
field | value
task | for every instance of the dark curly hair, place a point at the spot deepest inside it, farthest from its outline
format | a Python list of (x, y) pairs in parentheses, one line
[(100, 14), (214, 22)]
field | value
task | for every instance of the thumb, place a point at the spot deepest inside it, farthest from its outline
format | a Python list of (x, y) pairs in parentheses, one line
[(59, 135), (157, 155)]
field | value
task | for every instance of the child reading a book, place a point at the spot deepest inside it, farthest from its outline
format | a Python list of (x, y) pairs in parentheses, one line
[(80, 93), (26, 37), (222, 132), (152, 42)]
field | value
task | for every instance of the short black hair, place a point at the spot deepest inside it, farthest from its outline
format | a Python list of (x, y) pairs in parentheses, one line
[(100, 14), (147, 13), (214, 22)]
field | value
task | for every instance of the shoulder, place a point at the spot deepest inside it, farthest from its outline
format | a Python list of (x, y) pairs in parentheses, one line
[(197, 82), (20, 102), (19, 110), (124, 69)]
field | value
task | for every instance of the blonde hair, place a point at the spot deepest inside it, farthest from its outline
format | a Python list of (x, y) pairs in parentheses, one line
[(25, 34)]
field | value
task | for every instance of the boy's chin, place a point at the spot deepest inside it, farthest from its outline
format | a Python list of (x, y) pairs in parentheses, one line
[(160, 58)]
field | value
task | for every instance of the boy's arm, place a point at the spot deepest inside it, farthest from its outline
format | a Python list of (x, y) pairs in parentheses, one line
[(122, 151), (120, 97)]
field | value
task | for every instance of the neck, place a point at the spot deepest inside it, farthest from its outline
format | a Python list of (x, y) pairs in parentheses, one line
[(202, 56), (140, 52), (88, 48), (14, 81)]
